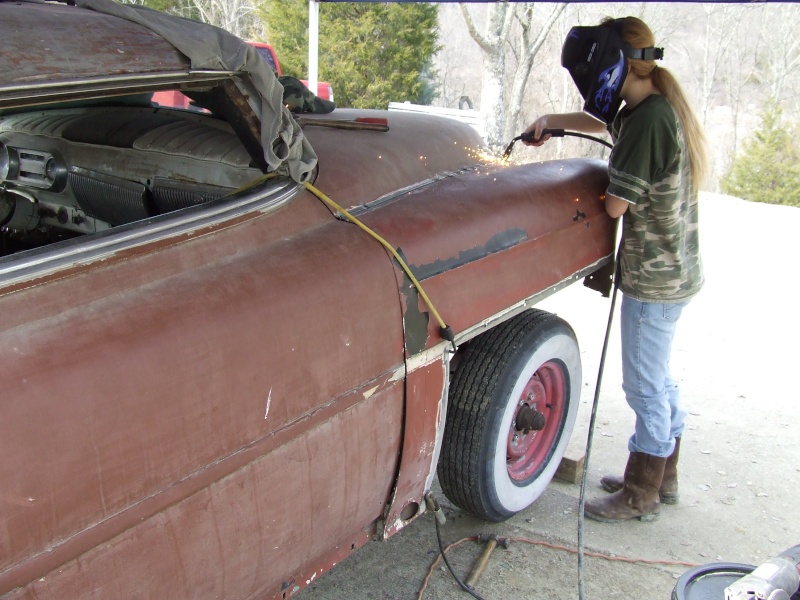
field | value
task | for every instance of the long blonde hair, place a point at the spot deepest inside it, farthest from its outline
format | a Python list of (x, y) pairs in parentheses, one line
[(638, 35)]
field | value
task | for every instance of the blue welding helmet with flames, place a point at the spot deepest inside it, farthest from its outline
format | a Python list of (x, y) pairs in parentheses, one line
[(597, 59)]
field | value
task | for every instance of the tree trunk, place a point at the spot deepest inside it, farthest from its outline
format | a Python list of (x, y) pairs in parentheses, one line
[(492, 100), (492, 43), (530, 48), (501, 114)]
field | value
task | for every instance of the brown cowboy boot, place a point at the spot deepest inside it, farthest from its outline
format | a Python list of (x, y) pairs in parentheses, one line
[(638, 498), (668, 493)]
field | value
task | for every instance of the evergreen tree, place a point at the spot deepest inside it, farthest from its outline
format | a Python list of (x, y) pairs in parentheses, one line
[(768, 170), (371, 53)]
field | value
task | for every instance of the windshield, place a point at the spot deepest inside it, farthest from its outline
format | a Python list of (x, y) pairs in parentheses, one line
[(265, 52)]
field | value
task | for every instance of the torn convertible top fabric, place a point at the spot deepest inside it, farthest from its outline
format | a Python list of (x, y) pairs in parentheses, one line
[(286, 149)]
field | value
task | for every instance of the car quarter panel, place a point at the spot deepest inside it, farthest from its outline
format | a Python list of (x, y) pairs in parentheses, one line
[(232, 399), (358, 166), (486, 240), (484, 244), (481, 235)]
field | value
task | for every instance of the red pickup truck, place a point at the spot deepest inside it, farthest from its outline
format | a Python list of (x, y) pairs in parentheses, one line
[(177, 99), (324, 89)]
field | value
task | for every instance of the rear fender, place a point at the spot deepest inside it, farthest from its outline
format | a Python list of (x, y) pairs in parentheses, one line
[(534, 230)]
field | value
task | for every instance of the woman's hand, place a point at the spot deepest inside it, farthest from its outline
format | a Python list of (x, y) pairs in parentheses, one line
[(576, 121), (536, 128)]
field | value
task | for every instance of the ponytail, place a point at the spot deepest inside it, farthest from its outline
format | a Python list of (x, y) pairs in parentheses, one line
[(696, 143), (638, 35)]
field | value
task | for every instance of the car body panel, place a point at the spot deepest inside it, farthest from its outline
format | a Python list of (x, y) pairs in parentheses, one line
[(525, 235), (227, 397), (157, 387), (395, 161), (426, 407), (457, 220)]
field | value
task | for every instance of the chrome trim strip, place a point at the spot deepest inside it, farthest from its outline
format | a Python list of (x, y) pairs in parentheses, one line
[(34, 264), (177, 77), (433, 353), (12, 96), (441, 418), (409, 189)]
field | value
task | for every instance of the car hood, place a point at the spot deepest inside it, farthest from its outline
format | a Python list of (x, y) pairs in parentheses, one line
[(116, 49)]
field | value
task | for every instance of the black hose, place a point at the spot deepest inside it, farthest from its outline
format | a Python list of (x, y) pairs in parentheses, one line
[(528, 137), (593, 418), (463, 585), (562, 133)]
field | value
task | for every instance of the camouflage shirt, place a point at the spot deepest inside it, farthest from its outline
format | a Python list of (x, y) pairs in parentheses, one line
[(649, 167)]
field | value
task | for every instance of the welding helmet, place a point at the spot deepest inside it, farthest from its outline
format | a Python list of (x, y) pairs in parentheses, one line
[(597, 59)]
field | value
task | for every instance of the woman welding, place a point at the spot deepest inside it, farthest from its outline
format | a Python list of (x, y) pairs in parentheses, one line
[(655, 169)]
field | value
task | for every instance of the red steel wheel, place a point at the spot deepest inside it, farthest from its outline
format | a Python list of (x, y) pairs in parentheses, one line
[(536, 422), (512, 407)]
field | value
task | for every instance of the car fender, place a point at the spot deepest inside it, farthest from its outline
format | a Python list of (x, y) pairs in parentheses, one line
[(523, 233)]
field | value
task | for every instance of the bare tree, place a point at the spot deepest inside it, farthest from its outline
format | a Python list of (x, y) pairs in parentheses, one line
[(532, 38), (720, 32), (502, 112), (492, 42), (781, 50), (236, 16), (239, 17), (738, 76), (457, 62), (452, 92)]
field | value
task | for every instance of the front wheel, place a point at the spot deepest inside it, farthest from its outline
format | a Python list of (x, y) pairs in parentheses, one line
[(511, 410)]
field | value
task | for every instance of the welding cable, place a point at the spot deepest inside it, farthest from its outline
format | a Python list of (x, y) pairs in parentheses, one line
[(433, 506), (562, 133), (528, 137), (442, 552), (552, 546), (445, 331), (435, 563), (592, 419)]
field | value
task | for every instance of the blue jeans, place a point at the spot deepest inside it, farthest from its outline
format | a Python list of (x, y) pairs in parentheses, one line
[(648, 329)]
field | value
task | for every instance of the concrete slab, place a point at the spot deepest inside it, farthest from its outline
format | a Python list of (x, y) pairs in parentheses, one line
[(736, 360)]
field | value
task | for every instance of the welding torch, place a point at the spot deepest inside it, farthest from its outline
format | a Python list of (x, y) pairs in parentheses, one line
[(529, 138)]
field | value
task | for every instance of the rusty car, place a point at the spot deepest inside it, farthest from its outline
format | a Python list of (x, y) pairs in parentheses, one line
[(238, 343)]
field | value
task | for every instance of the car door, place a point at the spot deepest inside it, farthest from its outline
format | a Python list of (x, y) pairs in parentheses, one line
[(207, 403)]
